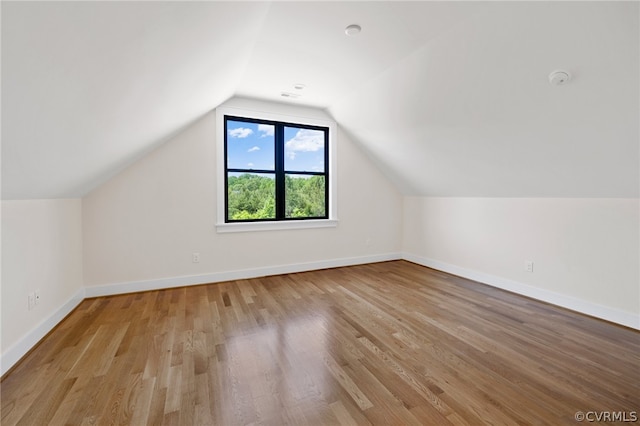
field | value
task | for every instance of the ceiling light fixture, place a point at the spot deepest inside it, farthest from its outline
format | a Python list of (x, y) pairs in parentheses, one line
[(289, 95), (352, 30), (299, 86)]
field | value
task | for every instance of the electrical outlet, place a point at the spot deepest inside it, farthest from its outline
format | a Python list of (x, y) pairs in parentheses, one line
[(195, 257), (31, 300), (528, 265)]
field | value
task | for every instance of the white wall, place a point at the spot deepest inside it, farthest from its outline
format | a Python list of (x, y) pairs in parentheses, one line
[(138, 231), (41, 250), (586, 252), (141, 227)]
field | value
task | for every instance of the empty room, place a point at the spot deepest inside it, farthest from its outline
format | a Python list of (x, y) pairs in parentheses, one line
[(320, 213)]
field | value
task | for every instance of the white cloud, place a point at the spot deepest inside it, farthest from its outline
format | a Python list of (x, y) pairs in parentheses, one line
[(304, 141), (255, 148), (249, 165), (266, 130), (240, 132)]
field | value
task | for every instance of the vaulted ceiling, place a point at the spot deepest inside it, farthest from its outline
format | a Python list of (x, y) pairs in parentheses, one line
[(447, 98)]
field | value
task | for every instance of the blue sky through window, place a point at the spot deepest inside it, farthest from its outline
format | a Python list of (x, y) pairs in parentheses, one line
[(303, 150), (251, 146)]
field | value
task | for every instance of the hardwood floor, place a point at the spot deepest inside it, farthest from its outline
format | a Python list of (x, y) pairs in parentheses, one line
[(387, 344)]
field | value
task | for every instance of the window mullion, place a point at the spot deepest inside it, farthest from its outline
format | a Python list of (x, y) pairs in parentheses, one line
[(280, 179)]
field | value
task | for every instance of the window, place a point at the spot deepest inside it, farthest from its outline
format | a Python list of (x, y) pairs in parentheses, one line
[(276, 174)]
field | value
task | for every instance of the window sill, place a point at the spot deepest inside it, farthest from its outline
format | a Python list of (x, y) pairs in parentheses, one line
[(222, 228)]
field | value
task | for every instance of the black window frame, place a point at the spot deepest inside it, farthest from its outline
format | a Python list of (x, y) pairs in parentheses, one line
[(279, 170)]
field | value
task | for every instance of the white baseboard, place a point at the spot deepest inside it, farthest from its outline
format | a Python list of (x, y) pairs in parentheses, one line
[(24, 345), (19, 349), (13, 354), (617, 316), (146, 285)]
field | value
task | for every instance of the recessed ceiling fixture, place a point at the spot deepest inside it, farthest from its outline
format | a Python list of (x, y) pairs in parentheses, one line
[(289, 95), (352, 30), (299, 86), (559, 77)]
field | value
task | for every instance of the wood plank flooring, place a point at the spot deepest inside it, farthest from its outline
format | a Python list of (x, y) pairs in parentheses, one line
[(386, 344)]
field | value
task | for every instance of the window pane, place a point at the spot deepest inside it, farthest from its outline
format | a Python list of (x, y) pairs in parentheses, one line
[(251, 196), (305, 196), (250, 145), (303, 150)]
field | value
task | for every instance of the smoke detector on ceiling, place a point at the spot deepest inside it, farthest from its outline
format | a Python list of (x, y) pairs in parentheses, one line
[(353, 29), (558, 78)]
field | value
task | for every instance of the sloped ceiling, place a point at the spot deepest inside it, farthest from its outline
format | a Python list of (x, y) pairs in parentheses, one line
[(449, 99)]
